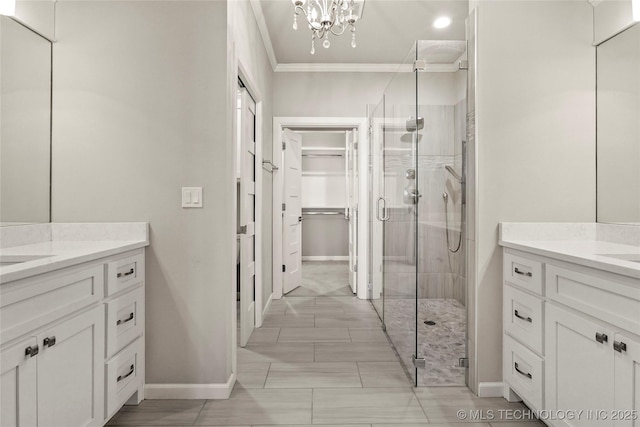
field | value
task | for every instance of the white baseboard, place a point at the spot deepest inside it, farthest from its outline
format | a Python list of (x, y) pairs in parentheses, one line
[(190, 391), (490, 389), (325, 258)]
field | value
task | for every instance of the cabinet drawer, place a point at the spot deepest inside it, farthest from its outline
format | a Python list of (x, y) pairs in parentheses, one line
[(123, 376), (607, 297), (125, 273), (28, 304), (523, 272), (523, 372), (523, 318), (125, 320)]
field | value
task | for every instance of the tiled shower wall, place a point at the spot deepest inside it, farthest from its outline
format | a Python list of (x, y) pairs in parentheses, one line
[(441, 273)]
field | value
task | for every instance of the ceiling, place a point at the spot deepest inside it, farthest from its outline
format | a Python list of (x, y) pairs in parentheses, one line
[(385, 34)]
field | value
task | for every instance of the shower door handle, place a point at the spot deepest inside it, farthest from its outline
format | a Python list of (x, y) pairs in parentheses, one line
[(385, 214)]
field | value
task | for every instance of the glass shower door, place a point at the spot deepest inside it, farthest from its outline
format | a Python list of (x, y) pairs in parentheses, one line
[(399, 211)]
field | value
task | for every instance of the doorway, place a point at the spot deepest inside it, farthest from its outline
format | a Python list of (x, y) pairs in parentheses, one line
[(316, 229), (327, 228)]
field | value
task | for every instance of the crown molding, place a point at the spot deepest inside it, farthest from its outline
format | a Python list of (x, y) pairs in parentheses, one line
[(256, 6), (360, 68)]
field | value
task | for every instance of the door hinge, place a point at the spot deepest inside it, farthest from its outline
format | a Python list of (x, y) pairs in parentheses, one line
[(284, 146), (355, 268), (463, 65), (243, 229), (420, 65), (370, 130), (418, 362), (284, 207), (463, 362), (355, 145), (284, 268)]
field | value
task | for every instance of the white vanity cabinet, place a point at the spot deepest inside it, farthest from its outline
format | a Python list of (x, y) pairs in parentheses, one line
[(627, 376), (571, 340), (18, 386), (65, 337)]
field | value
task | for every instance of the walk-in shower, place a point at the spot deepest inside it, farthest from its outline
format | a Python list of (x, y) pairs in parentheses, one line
[(417, 250)]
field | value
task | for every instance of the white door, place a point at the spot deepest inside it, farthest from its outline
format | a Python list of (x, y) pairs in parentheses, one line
[(292, 215), (352, 204), (627, 379), (71, 372), (579, 370), (18, 392), (247, 195)]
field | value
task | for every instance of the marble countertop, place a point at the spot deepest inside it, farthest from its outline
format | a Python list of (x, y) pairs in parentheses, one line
[(603, 247), (65, 245)]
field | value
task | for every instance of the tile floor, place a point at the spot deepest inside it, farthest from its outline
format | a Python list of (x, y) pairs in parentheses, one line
[(324, 361)]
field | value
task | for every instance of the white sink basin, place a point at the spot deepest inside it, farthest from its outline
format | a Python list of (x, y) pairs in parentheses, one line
[(624, 257), (6, 260)]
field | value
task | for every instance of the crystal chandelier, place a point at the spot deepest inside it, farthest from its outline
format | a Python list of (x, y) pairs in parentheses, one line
[(328, 16)]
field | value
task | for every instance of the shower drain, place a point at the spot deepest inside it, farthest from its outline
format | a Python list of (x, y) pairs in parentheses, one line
[(429, 322)]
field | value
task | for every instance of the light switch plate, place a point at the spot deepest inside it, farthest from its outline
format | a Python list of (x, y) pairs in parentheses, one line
[(191, 197)]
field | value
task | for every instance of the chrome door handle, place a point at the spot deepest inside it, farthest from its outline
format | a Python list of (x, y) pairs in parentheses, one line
[(128, 273), (128, 374), (619, 346), (128, 319), (601, 338), (524, 374), (523, 273), (49, 341), (385, 214), (527, 319)]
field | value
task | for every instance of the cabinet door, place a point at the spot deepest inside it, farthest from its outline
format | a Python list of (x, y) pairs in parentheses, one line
[(70, 374), (579, 366), (18, 385), (627, 382)]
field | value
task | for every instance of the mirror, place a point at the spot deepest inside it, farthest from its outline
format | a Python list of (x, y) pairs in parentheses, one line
[(618, 128), (25, 125)]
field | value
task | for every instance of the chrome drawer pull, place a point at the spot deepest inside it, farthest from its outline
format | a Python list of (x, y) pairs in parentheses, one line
[(527, 319), (128, 273), (619, 346), (128, 374), (123, 321), (601, 338), (525, 374), (31, 351), (523, 273), (49, 341)]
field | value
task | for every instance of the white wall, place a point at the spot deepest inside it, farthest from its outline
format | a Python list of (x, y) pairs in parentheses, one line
[(139, 111), (535, 137), (327, 94)]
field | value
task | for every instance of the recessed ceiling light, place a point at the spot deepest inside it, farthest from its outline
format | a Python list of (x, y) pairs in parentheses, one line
[(442, 22)]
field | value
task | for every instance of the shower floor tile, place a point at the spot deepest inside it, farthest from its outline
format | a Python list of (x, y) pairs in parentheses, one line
[(442, 344)]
